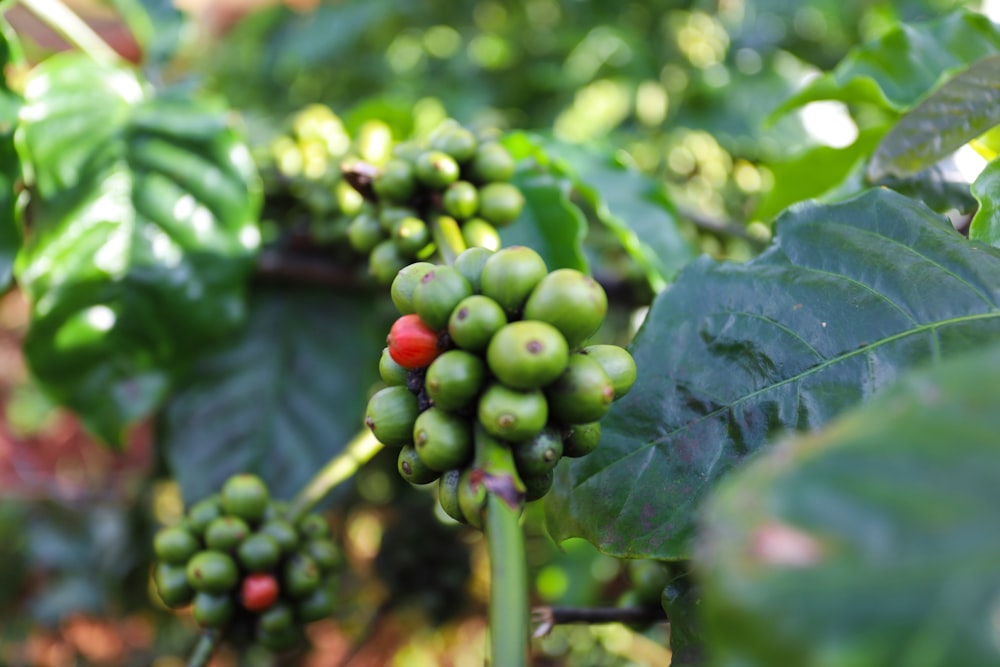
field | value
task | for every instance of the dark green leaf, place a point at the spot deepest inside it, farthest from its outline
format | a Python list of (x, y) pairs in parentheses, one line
[(816, 172), (985, 225), (550, 223), (282, 398), (849, 295), (871, 543), (941, 186), (143, 233), (963, 108), (906, 63)]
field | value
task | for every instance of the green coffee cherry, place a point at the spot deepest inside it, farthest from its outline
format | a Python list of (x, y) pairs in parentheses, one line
[(460, 200), (477, 233), (277, 618), (448, 495), (527, 354), (411, 235), (404, 284), (283, 533), (365, 232), (457, 142), (390, 415), (536, 486), (212, 610), (391, 373), (437, 294), (617, 363), (510, 275), (259, 552), (175, 545), (539, 455), (396, 182), (474, 322), (412, 469), (512, 415), (454, 379), (436, 170), (407, 150), (500, 203), (212, 572), (203, 513), (443, 439), (470, 264), (492, 162), (245, 496), (226, 533), (471, 500), (280, 640), (648, 578), (172, 584), (349, 200), (583, 393), (276, 509), (571, 302), (314, 526), (327, 555), (385, 261), (301, 576), (389, 216), (317, 605), (581, 439)]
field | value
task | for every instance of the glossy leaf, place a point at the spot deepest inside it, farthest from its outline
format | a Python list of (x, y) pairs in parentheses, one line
[(817, 172), (143, 233), (10, 165), (281, 399), (906, 63), (942, 186), (966, 106), (849, 295), (550, 223), (870, 543), (985, 225)]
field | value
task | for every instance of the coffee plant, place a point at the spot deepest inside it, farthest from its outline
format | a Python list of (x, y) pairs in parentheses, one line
[(390, 350)]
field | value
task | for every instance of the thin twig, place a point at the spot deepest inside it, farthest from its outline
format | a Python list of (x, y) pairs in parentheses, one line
[(548, 617)]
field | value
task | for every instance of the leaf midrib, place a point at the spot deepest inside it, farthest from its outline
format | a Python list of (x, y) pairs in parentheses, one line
[(707, 477)]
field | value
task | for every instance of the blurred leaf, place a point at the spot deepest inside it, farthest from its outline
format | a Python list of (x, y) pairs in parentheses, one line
[(941, 186), (966, 106), (157, 25), (870, 543), (985, 225), (849, 295), (906, 63), (550, 223), (143, 233), (282, 398), (632, 205), (10, 165), (815, 172)]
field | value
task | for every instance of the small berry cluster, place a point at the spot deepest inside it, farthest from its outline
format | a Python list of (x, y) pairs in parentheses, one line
[(240, 564), (457, 179), (495, 340)]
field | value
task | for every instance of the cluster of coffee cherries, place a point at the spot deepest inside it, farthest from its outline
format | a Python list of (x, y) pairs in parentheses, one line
[(494, 342), (301, 168), (241, 565), (456, 180)]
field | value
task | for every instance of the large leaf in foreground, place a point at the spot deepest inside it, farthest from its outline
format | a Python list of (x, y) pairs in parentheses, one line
[(906, 63), (849, 295), (963, 108), (143, 232), (281, 399), (871, 543)]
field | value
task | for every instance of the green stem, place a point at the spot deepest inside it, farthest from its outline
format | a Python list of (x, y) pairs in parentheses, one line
[(447, 237), (509, 615), (73, 29), (342, 467), (204, 649)]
